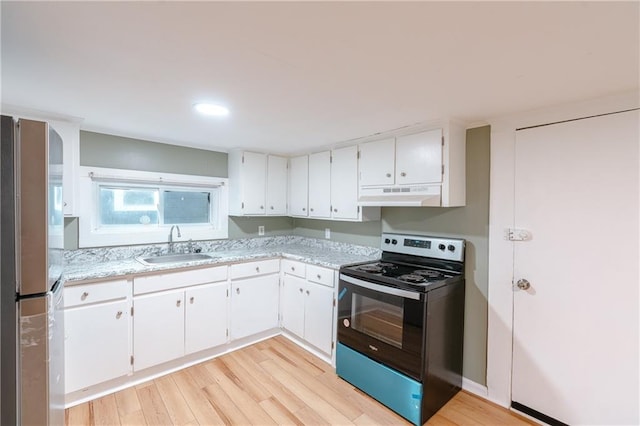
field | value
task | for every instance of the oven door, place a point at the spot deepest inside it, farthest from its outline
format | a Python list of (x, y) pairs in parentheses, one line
[(383, 322)]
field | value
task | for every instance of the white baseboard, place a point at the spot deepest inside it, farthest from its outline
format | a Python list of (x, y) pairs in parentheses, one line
[(475, 388)]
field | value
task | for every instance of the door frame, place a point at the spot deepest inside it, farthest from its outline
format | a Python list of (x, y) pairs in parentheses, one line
[(501, 217)]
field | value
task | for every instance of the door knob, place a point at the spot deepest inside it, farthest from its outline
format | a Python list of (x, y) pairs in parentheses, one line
[(523, 284)]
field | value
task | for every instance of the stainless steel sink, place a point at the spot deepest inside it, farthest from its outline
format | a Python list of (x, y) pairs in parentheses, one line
[(174, 258)]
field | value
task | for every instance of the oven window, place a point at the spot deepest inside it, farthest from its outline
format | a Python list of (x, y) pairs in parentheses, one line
[(379, 319)]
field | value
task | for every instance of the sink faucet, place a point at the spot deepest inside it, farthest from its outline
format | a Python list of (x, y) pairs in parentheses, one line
[(171, 249)]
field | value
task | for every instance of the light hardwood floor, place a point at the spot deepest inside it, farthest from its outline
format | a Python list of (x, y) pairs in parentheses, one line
[(271, 382)]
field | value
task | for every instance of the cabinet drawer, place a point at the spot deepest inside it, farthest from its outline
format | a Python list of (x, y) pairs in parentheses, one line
[(252, 269), (292, 267), (85, 294), (160, 282), (320, 275)]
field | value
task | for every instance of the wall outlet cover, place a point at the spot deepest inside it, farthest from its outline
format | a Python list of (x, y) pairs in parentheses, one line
[(261, 230), (327, 233)]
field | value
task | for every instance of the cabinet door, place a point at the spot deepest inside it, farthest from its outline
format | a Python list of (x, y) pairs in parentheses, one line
[(320, 185), (276, 185), (377, 163), (96, 344), (344, 183), (298, 185), (318, 321), (419, 158), (292, 301), (158, 328), (205, 324), (254, 170), (254, 305), (70, 134)]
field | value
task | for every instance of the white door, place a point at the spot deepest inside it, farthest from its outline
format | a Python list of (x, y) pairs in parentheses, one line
[(254, 169), (205, 324), (320, 185), (344, 183), (377, 162), (419, 158), (298, 185), (254, 305), (96, 344), (276, 185), (318, 321), (575, 354), (292, 300), (158, 328)]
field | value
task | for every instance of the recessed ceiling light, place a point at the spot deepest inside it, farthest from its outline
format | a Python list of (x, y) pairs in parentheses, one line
[(206, 108)]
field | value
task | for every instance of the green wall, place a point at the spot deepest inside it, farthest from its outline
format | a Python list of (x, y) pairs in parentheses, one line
[(470, 222)]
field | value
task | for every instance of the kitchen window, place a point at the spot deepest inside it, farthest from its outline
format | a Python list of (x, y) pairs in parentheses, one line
[(133, 207)]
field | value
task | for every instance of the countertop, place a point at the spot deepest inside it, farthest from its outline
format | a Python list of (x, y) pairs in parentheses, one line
[(93, 264)]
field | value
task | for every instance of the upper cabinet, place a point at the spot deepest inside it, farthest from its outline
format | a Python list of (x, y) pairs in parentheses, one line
[(344, 187), (299, 186), (320, 185), (70, 134), (257, 184), (426, 168)]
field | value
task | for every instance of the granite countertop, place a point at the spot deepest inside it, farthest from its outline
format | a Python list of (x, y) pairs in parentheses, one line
[(93, 264)]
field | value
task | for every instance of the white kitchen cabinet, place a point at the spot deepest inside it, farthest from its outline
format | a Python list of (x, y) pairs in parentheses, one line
[(344, 187), (254, 297), (257, 184), (424, 168), (320, 185), (377, 162), (97, 333), (97, 343), (158, 328), (299, 186), (70, 134), (178, 313), (307, 303), (205, 317)]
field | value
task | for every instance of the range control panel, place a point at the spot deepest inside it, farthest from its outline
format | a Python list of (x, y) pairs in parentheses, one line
[(418, 245)]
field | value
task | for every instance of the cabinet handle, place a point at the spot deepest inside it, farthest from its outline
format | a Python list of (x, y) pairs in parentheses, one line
[(261, 207), (192, 299), (178, 302), (64, 204), (403, 174), (237, 290), (271, 207), (388, 174), (84, 296), (335, 210), (304, 209), (300, 290), (319, 277), (308, 292), (257, 269), (119, 314), (293, 268)]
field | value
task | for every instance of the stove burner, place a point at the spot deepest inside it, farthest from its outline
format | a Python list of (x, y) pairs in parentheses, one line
[(412, 278), (428, 273), (375, 268)]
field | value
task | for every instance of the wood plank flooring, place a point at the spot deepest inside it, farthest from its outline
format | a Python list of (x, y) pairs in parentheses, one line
[(271, 382)]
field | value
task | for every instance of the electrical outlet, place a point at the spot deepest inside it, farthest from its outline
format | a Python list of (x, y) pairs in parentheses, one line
[(327, 233), (260, 230)]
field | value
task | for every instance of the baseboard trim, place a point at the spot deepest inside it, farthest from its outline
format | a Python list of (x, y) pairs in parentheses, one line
[(475, 388)]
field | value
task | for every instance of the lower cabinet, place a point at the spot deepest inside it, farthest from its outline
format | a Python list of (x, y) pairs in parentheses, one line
[(307, 303), (254, 297), (97, 334), (173, 322)]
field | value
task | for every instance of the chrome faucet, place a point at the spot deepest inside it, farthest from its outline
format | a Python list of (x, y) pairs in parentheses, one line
[(171, 249)]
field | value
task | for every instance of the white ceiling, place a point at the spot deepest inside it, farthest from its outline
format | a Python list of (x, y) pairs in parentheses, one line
[(302, 75)]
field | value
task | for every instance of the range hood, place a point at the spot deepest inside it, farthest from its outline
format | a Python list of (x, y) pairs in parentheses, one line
[(401, 196)]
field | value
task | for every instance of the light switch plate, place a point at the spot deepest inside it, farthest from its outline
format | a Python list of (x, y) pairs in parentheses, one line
[(261, 230)]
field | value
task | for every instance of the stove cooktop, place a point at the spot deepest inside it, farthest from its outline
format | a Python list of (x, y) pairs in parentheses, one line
[(415, 275)]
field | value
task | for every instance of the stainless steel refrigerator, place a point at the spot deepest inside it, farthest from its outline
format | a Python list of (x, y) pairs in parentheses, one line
[(31, 244)]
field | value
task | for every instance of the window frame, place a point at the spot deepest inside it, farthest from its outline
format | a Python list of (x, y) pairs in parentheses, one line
[(93, 234)]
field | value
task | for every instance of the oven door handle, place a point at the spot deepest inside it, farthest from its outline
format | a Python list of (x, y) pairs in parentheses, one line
[(381, 288)]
